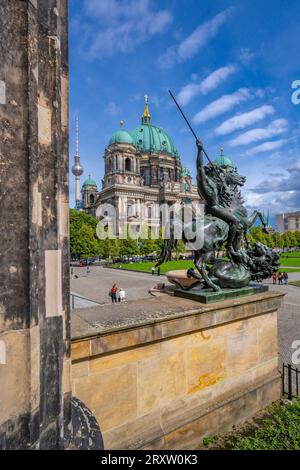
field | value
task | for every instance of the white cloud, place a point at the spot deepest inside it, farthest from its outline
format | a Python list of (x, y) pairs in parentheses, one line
[(240, 121), (277, 127), (188, 92), (246, 55), (191, 45), (112, 109), (121, 26), (277, 192), (222, 105), (266, 147)]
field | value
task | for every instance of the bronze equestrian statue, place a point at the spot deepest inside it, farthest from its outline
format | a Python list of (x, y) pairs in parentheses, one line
[(226, 221)]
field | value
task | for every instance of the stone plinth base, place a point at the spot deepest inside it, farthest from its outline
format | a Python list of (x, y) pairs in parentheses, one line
[(208, 296), (178, 372)]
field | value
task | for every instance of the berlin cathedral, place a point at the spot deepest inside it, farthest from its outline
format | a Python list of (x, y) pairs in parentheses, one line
[(142, 170)]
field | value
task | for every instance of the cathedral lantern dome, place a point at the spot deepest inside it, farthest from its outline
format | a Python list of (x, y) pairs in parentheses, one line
[(121, 136), (90, 183), (223, 160), (150, 138)]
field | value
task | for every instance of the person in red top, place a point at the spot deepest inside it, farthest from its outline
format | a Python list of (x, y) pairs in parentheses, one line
[(113, 293), (274, 277)]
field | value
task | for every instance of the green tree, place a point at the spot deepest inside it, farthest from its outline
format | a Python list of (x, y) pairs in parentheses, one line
[(83, 242), (111, 248), (147, 244), (297, 237), (180, 248), (83, 238)]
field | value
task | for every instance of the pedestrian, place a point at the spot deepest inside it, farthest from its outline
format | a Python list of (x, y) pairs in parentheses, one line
[(274, 277), (153, 271), (113, 293), (88, 270), (285, 278), (122, 296), (158, 271), (280, 279)]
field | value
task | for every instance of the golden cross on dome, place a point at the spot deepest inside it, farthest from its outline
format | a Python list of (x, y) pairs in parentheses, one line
[(222, 151), (146, 115), (121, 123)]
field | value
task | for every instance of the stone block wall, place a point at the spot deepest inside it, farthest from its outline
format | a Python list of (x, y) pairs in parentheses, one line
[(169, 383), (35, 393)]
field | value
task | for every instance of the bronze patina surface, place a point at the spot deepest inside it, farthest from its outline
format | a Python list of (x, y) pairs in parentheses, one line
[(225, 223), (209, 296)]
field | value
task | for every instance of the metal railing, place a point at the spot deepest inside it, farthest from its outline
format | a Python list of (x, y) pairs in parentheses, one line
[(290, 381)]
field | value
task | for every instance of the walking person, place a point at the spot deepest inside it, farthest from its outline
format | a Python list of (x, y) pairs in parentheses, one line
[(274, 277), (280, 279), (158, 271), (285, 278), (152, 271), (113, 293)]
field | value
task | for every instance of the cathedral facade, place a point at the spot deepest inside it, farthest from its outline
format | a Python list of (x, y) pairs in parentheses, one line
[(142, 171)]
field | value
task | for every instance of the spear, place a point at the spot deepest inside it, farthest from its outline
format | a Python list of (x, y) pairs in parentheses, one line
[(192, 131)]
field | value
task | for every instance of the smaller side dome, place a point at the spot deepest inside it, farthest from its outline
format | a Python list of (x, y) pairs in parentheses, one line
[(89, 183), (185, 172), (121, 137)]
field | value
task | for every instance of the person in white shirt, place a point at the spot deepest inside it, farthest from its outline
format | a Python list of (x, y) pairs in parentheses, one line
[(122, 297)]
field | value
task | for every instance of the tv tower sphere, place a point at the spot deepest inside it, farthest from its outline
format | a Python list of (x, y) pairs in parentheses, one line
[(77, 168)]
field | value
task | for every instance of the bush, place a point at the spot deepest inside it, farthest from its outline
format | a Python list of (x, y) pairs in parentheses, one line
[(279, 429)]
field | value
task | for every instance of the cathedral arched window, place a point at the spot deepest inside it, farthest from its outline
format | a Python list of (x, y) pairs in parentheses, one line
[(92, 199), (130, 209), (149, 212), (128, 164)]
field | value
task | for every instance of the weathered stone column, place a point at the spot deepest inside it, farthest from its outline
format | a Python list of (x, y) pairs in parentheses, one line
[(34, 270)]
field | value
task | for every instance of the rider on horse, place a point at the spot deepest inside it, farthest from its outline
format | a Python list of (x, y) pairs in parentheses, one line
[(215, 206)]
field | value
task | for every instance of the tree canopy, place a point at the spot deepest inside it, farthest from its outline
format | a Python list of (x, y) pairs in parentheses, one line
[(84, 242)]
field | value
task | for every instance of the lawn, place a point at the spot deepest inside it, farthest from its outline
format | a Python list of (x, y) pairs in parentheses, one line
[(295, 283), (278, 429), (292, 254), (173, 265), (290, 270), (291, 262), (146, 266)]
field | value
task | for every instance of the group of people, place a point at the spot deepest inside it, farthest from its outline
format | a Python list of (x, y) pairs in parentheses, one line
[(153, 270), (282, 278), (117, 294)]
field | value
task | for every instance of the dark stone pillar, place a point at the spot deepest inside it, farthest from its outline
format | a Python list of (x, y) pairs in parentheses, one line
[(35, 377)]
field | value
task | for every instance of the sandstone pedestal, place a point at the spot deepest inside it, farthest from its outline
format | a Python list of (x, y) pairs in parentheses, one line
[(173, 370)]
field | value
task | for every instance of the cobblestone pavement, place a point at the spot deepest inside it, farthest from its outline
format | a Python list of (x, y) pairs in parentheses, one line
[(288, 319), (96, 285)]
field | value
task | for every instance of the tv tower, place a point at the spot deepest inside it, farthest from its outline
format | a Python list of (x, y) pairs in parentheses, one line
[(77, 168)]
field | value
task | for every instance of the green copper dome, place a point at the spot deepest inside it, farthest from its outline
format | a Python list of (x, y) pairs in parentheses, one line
[(120, 137), (149, 138), (89, 182), (222, 160)]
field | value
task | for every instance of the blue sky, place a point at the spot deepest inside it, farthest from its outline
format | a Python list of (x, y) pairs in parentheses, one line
[(230, 63)]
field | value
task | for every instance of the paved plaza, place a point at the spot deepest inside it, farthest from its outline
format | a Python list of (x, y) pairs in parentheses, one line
[(95, 287)]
